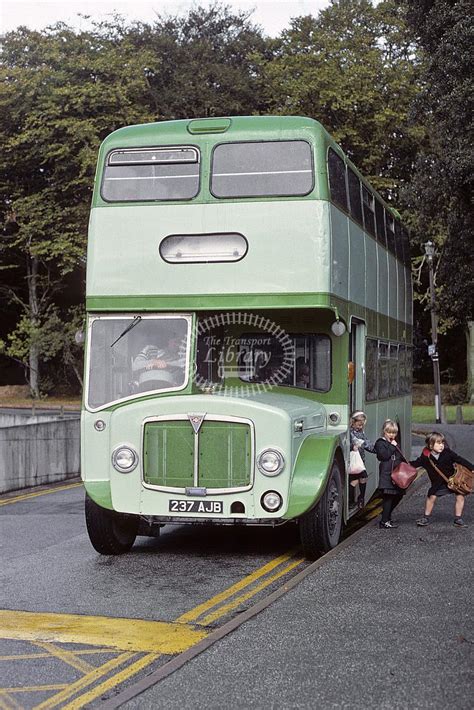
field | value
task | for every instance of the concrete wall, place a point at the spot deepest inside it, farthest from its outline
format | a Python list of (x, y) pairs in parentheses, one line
[(34, 454), (12, 417)]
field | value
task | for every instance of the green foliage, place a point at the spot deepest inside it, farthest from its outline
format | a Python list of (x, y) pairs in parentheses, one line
[(353, 67), (439, 195)]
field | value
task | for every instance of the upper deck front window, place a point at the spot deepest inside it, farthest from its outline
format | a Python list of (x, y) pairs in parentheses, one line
[(143, 174), (267, 169)]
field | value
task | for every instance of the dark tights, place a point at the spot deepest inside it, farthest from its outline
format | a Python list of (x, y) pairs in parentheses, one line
[(390, 502)]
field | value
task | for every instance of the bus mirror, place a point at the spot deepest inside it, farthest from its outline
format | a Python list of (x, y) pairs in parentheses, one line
[(350, 372), (338, 328)]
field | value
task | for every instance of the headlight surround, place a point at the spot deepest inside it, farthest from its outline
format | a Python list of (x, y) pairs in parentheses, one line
[(124, 459), (270, 462)]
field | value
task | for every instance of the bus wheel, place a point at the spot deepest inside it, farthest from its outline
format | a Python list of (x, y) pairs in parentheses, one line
[(320, 527), (110, 533)]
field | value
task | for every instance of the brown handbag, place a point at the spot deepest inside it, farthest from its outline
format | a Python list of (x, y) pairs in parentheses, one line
[(462, 481), (404, 474)]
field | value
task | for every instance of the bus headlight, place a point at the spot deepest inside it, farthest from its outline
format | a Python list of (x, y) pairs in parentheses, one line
[(270, 462), (271, 501), (124, 459)]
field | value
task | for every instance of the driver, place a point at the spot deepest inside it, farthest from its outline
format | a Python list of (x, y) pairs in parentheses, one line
[(158, 368)]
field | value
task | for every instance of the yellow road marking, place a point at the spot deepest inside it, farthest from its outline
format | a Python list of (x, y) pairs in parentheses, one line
[(32, 656), (66, 656), (84, 681), (7, 501), (243, 597), (111, 682), (373, 513), (122, 634), (35, 688), (193, 614), (8, 703)]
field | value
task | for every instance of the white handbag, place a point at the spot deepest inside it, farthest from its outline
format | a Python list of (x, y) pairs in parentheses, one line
[(356, 465)]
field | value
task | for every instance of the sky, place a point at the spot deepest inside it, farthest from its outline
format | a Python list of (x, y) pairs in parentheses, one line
[(271, 15)]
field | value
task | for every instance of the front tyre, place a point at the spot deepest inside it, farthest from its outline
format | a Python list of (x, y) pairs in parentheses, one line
[(110, 533), (320, 527)]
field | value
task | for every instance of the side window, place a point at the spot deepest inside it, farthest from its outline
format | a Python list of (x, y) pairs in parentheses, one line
[(354, 195), (406, 246), (409, 370), (402, 369), (393, 370), (337, 179), (369, 210), (390, 231), (398, 241), (383, 371), (379, 214), (371, 370)]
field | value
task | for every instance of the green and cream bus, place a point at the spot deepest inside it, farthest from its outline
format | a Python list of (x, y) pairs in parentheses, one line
[(246, 290)]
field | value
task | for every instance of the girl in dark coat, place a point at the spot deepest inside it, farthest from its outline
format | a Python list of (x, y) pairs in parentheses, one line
[(437, 453), (389, 456)]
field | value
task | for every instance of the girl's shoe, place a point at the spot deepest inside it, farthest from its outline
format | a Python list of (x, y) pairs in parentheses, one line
[(423, 521), (388, 525), (459, 523)]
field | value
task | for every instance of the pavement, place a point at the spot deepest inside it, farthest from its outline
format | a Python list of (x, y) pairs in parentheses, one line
[(386, 623)]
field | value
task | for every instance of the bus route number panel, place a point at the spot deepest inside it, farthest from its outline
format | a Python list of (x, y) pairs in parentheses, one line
[(195, 506)]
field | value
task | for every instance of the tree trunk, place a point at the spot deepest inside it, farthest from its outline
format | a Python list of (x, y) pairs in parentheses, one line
[(470, 361), (32, 277)]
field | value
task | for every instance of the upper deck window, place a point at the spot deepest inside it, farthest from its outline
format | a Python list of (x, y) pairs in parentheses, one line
[(354, 195), (273, 168), (379, 213), (337, 179), (143, 174), (369, 210), (390, 230)]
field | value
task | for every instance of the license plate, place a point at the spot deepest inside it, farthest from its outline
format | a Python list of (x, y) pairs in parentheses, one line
[(195, 506)]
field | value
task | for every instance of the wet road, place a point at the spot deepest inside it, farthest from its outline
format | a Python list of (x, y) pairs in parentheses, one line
[(72, 615)]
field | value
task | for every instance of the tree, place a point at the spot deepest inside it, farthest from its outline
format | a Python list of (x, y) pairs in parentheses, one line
[(439, 193), (354, 67), (61, 94), (205, 63)]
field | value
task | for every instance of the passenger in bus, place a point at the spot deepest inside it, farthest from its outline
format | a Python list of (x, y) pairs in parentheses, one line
[(359, 442), (160, 368), (436, 453), (389, 456), (302, 373)]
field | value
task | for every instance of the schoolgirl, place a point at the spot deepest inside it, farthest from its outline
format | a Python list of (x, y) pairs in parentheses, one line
[(389, 456), (359, 442), (436, 453)]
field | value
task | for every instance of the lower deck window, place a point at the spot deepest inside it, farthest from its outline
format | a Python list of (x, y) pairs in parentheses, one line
[(303, 361)]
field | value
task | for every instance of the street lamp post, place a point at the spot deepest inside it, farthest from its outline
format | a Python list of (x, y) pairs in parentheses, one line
[(433, 348)]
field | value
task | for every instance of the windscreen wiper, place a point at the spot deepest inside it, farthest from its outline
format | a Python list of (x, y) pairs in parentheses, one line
[(134, 322)]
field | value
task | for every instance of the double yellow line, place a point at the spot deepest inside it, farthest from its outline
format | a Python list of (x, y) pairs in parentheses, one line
[(163, 638), (26, 496)]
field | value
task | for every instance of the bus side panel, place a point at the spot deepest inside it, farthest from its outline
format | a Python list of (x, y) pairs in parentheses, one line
[(310, 474)]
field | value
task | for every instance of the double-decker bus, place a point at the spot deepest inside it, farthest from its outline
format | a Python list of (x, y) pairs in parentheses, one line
[(246, 290)]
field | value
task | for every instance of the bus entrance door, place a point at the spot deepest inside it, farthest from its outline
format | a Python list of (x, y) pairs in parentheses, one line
[(357, 357)]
